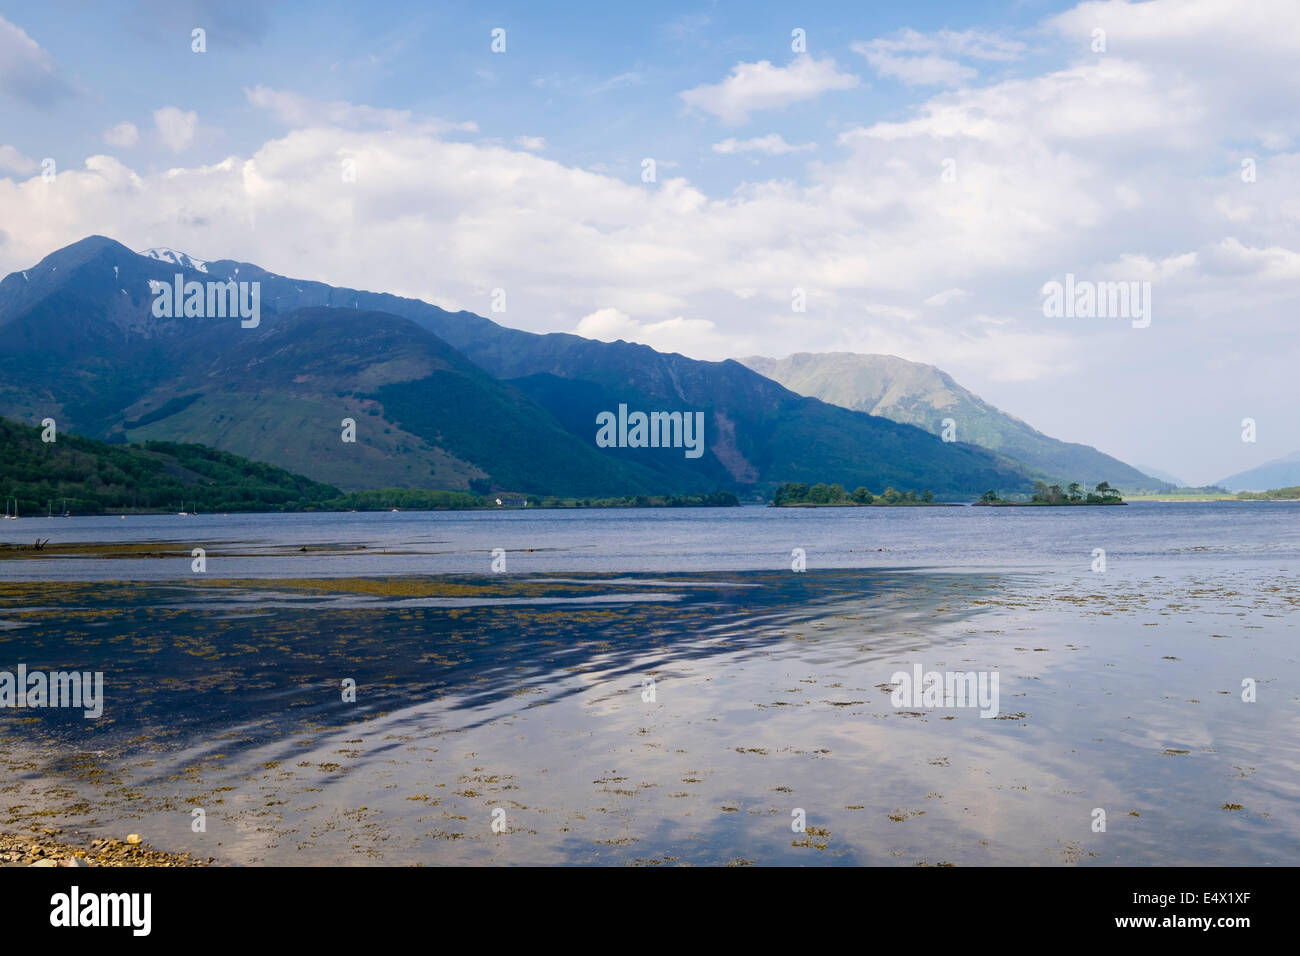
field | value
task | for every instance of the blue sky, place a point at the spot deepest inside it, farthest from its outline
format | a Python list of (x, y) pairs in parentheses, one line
[(600, 82), (917, 174)]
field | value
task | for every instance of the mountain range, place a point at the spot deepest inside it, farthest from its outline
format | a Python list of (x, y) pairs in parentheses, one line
[(925, 396), (439, 399)]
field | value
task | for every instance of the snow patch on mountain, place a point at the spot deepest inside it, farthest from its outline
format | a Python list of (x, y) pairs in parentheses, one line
[(163, 254)]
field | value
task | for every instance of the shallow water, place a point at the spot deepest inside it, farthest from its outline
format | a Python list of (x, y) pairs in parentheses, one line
[(527, 692)]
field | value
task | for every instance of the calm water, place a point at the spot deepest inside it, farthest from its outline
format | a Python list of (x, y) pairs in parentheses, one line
[(525, 698), (1139, 537)]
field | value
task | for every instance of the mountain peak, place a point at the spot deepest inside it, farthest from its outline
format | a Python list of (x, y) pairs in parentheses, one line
[(163, 254)]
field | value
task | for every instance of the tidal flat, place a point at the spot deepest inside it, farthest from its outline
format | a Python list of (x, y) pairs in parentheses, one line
[(667, 717)]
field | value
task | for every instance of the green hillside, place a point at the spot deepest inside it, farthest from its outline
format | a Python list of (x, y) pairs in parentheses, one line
[(925, 396), (92, 477)]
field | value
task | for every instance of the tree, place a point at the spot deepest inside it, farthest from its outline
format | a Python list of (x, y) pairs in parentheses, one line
[(1108, 494), (862, 496), (790, 492), (989, 495), (927, 496), (1076, 493)]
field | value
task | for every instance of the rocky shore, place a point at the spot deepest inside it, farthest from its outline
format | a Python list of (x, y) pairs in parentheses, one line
[(45, 846)]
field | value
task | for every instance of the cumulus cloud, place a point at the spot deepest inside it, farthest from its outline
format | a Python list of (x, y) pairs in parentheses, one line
[(123, 134), (534, 144), (773, 144), (1240, 58), (761, 86), (176, 127), (1123, 166), (12, 161), (678, 334), (1232, 257)]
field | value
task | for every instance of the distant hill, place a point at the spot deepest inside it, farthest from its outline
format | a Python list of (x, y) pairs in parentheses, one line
[(924, 396), (441, 400), (88, 477), (1281, 472), (1162, 475)]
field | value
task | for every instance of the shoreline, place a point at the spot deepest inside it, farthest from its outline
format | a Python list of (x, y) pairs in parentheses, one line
[(47, 846), (1047, 504), (874, 504)]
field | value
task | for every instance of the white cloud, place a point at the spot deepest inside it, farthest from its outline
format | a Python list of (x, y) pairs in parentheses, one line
[(934, 59), (985, 351), (12, 161), (618, 82), (27, 72), (1240, 57), (608, 325), (773, 144), (761, 86), (926, 70), (940, 299), (123, 134), (176, 127), (534, 144), (1232, 257), (678, 334), (298, 111), (881, 310), (970, 43), (1122, 166)]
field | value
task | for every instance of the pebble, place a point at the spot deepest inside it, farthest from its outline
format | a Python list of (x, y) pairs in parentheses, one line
[(41, 849)]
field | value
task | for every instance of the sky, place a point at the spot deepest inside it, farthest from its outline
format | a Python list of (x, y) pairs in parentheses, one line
[(724, 180)]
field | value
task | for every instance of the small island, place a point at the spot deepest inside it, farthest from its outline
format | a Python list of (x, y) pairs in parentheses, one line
[(1053, 496), (794, 494), (1273, 494)]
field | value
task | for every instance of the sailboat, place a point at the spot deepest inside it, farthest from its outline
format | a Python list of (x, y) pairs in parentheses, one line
[(14, 516), (66, 512), (183, 513)]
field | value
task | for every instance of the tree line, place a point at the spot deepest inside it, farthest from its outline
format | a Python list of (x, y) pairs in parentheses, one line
[(797, 493)]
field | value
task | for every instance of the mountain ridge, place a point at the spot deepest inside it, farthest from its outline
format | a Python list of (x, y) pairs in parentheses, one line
[(86, 343), (1281, 472), (926, 396)]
